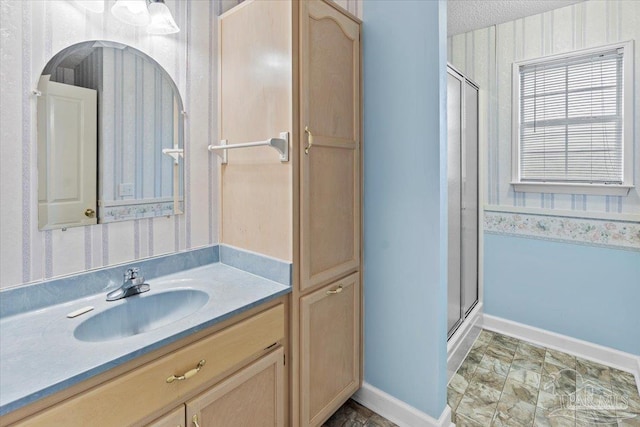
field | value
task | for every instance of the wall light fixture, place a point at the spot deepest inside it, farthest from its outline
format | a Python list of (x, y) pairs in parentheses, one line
[(162, 21), (132, 12), (153, 13)]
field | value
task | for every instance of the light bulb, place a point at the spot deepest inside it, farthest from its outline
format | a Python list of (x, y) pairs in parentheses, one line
[(162, 21), (132, 12)]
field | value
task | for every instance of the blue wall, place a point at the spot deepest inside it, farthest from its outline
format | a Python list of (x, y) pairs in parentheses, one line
[(404, 135), (587, 292)]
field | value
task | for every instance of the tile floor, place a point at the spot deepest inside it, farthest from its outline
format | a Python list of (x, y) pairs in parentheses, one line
[(352, 414), (507, 382)]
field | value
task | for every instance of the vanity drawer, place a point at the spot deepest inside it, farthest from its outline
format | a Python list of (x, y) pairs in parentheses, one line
[(144, 391), (228, 348)]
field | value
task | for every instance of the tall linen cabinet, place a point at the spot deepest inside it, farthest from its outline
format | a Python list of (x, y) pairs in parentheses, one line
[(294, 66)]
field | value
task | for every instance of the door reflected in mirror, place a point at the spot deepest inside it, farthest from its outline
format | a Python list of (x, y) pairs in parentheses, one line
[(110, 137)]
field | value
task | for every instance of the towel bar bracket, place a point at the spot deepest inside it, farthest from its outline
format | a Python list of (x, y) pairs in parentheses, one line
[(281, 145), (174, 152)]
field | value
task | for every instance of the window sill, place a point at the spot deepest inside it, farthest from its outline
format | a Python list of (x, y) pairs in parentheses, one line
[(590, 189)]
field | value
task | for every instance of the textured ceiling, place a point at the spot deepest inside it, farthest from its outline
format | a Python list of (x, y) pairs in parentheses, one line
[(467, 15)]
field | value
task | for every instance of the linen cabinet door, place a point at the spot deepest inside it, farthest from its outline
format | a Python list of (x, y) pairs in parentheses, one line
[(330, 134), (330, 348), (254, 396)]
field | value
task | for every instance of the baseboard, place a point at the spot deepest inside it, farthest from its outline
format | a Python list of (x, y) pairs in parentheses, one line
[(397, 411), (584, 349), (459, 341)]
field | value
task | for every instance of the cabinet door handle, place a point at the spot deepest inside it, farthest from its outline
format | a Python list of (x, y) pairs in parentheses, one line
[(335, 291), (194, 419), (306, 150), (187, 374), (90, 213)]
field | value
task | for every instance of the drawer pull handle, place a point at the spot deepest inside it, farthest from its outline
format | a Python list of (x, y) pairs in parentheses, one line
[(195, 421), (335, 291), (306, 150), (187, 374)]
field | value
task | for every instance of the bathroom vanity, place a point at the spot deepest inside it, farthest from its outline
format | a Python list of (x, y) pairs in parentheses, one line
[(185, 382), (185, 361)]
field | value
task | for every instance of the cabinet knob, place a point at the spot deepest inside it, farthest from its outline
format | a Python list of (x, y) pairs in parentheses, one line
[(306, 150), (90, 213), (335, 291), (187, 374)]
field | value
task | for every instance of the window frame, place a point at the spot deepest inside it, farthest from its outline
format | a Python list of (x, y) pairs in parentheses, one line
[(627, 128)]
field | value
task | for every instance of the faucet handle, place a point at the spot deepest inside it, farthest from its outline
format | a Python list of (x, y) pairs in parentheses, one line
[(131, 273)]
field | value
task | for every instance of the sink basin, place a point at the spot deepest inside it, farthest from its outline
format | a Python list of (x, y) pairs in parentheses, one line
[(141, 313)]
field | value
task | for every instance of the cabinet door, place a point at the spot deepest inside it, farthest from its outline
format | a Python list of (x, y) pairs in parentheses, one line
[(330, 348), (252, 397), (174, 418), (330, 158)]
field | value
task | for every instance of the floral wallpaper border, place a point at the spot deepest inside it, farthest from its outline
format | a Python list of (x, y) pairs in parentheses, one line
[(615, 234), (137, 211)]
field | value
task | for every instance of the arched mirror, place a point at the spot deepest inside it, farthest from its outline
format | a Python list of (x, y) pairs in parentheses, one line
[(110, 137)]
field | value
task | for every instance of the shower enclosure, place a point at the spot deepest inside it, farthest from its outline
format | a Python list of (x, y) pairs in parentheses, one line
[(462, 179)]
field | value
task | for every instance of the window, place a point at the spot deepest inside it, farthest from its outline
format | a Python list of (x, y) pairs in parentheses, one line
[(569, 124)]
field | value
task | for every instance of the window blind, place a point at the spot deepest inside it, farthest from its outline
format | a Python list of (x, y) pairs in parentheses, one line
[(571, 119)]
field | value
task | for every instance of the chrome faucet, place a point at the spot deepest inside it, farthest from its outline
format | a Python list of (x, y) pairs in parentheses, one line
[(133, 284)]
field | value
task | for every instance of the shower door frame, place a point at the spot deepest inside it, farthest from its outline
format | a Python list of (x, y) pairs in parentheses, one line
[(465, 309)]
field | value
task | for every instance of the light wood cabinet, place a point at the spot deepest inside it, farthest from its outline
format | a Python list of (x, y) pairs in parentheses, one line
[(140, 395), (252, 397), (330, 348), (295, 66), (330, 161), (328, 314)]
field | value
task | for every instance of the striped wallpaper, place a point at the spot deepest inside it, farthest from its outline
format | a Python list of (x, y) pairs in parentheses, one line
[(141, 113), (486, 56), (31, 32)]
